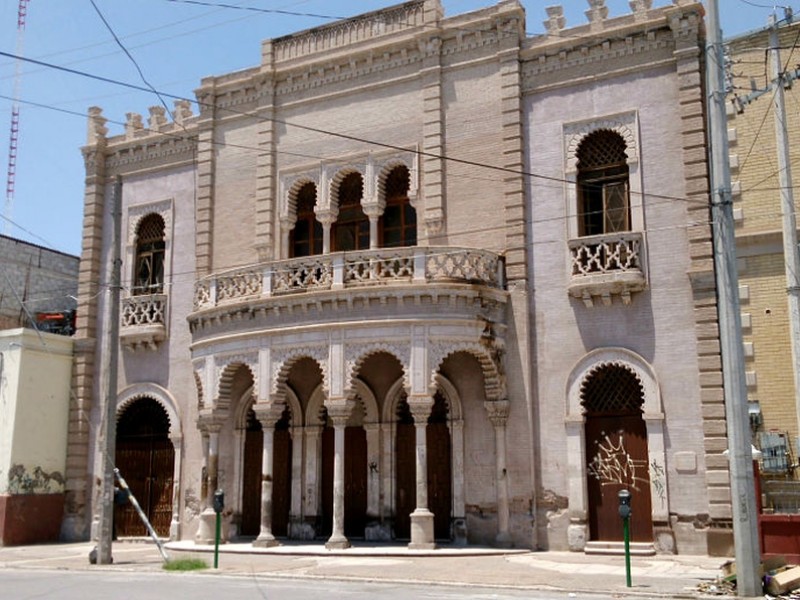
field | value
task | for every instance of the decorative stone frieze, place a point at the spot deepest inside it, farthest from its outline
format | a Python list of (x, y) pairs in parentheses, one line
[(143, 321)]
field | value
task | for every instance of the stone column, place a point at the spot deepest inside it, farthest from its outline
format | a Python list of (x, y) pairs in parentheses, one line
[(339, 413), (326, 218), (175, 523), (498, 415), (206, 532), (267, 414), (421, 518), (373, 211), (313, 479)]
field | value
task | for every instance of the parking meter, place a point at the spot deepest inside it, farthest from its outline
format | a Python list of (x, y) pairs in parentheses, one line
[(219, 501), (625, 512), (219, 505), (624, 504)]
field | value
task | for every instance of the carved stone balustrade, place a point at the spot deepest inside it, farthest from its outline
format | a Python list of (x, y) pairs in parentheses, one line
[(386, 285), (607, 265), (143, 321), (345, 270)]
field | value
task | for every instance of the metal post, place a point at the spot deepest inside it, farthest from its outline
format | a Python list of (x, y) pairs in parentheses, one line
[(216, 540), (626, 534), (743, 501), (108, 444)]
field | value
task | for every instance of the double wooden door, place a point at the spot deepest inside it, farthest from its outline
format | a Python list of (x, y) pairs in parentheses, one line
[(355, 481)]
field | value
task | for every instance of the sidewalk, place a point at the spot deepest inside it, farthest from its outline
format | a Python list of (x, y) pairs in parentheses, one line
[(653, 576)]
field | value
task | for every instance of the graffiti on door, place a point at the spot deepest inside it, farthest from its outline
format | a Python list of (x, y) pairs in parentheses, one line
[(613, 464)]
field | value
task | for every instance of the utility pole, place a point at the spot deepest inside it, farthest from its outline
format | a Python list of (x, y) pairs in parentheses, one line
[(109, 442), (790, 254), (743, 496)]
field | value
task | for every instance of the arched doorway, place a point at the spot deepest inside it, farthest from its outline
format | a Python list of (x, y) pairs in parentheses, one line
[(281, 476), (616, 453), (440, 476), (145, 457)]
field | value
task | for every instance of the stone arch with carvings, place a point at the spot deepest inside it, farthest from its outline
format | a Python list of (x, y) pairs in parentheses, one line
[(385, 167), (490, 362), (621, 357), (622, 125), (283, 361), (288, 210), (161, 395), (228, 367), (356, 354), (337, 179)]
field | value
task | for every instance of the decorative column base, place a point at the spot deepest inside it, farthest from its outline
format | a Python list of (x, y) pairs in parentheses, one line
[(265, 541), (421, 530), (206, 531), (503, 540), (577, 535), (337, 543)]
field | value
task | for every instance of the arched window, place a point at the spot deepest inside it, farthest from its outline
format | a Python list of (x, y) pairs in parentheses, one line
[(351, 230), (306, 237), (603, 198), (398, 224), (149, 273)]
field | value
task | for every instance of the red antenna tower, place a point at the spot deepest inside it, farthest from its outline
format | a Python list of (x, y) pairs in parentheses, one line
[(13, 139)]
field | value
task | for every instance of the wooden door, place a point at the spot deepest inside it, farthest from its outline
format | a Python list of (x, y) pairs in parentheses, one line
[(405, 499), (251, 478), (355, 481), (145, 458), (281, 477), (281, 480), (440, 497), (616, 449)]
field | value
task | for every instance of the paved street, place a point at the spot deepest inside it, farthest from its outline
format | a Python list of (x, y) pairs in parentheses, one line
[(300, 571), (106, 585)]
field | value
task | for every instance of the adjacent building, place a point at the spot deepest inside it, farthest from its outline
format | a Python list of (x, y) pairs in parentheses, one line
[(416, 277)]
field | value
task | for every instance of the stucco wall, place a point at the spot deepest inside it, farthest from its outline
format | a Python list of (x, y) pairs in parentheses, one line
[(34, 387)]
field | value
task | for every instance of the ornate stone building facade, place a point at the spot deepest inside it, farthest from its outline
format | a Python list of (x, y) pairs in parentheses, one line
[(422, 278)]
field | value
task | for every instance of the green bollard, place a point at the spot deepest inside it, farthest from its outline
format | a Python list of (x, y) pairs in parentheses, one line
[(625, 513)]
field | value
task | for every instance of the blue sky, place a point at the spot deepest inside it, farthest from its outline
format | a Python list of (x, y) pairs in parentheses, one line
[(175, 44)]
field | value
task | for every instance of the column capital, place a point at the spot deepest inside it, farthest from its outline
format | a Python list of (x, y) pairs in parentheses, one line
[(268, 413), (420, 407), (210, 421), (339, 410), (497, 411)]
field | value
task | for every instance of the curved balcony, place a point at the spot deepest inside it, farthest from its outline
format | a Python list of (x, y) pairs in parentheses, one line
[(607, 265), (143, 321), (379, 283)]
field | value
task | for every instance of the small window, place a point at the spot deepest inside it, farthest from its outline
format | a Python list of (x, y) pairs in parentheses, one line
[(149, 274), (351, 230), (398, 224), (306, 237), (603, 192)]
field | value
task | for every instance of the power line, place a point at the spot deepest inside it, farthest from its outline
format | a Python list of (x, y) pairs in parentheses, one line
[(335, 134)]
